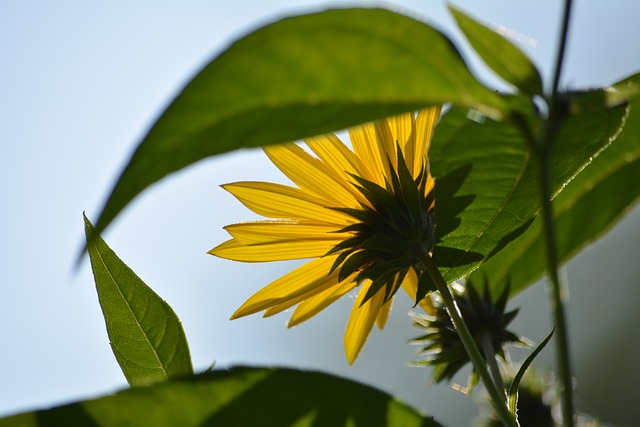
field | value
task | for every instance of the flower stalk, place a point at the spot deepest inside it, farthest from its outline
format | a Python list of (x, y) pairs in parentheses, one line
[(490, 357), (498, 398)]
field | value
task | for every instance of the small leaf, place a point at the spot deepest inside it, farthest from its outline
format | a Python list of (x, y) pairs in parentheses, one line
[(145, 333), (299, 77), (513, 388), (586, 208), (500, 54), (239, 397)]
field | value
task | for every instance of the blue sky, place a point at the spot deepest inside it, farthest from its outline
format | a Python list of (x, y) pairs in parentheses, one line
[(80, 84)]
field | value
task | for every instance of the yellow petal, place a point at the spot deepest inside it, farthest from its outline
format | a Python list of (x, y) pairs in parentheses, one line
[(427, 305), (425, 124), (361, 321), (304, 279), (342, 161), (309, 174), (335, 154), (330, 284), (383, 314), (312, 306), (281, 201), (410, 286), (429, 187), (365, 145), (278, 230), (386, 146), (274, 251), (403, 129)]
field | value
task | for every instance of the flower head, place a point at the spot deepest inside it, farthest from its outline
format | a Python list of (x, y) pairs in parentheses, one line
[(484, 317), (364, 216)]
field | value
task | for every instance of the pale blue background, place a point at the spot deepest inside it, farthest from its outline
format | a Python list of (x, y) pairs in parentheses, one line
[(80, 84)]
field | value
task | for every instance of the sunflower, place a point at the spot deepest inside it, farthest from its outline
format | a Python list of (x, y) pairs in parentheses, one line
[(364, 216)]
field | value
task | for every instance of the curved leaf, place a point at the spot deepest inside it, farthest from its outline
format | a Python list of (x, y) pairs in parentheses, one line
[(299, 77), (486, 179), (145, 333), (500, 54), (587, 207), (512, 395), (237, 398)]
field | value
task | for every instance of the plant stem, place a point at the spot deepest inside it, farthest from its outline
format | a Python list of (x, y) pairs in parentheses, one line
[(490, 357), (544, 154), (564, 32), (498, 398), (557, 294)]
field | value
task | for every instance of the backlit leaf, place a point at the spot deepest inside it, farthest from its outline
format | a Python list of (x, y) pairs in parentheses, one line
[(586, 208), (300, 77), (145, 333), (486, 180), (500, 54)]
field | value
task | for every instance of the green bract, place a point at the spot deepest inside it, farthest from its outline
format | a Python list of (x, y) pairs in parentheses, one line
[(396, 230), (441, 344)]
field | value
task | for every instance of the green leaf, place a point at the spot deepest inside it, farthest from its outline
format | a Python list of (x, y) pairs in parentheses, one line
[(238, 397), (486, 180), (512, 397), (145, 333), (300, 77), (500, 54), (586, 208)]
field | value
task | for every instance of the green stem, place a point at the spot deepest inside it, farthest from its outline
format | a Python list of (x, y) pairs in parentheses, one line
[(490, 357), (557, 294), (564, 32), (544, 153), (499, 399)]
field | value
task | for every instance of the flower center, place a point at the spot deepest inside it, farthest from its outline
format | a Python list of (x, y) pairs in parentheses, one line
[(395, 230)]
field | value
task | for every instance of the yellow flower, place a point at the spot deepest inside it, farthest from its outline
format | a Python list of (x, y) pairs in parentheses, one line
[(364, 217)]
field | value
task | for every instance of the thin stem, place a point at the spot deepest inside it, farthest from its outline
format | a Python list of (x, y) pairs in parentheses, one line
[(499, 399), (557, 294), (544, 153), (490, 357), (564, 32)]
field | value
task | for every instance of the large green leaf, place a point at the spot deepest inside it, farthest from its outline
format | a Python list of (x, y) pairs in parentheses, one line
[(486, 179), (300, 77), (238, 397), (145, 333), (500, 54), (588, 206)]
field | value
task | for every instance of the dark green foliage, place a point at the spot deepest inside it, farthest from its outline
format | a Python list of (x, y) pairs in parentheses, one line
[(487, 184), (239, 397), (590, 203)]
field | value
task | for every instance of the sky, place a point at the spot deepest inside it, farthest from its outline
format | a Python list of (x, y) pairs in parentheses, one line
[(82, 82)]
